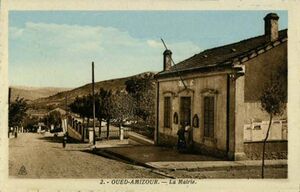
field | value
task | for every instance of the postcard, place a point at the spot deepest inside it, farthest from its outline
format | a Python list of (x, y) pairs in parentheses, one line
[(109, 96)]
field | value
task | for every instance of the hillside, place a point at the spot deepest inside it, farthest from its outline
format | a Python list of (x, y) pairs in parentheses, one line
[(33, 93), (59, 99)]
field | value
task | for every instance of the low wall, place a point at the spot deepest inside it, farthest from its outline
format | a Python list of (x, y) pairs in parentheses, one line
[(73, 134), (137, 139), (274, 149)]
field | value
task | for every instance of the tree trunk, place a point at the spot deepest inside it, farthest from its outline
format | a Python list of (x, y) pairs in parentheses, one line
[(264, 148), (120, 127), (107, 128)]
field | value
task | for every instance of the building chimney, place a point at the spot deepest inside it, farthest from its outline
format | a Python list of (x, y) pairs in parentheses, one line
[(271, 26), (167, 59)]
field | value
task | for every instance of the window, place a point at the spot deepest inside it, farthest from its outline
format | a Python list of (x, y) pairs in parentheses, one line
[(167, 112), (209, 106)]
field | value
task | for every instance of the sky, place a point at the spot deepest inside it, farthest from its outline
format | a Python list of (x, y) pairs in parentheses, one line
[(56, 48)]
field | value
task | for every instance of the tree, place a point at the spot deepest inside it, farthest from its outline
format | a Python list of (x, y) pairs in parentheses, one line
[(122, 107), (84, 107), (53, 118), (105, 107), (30, 122), (17, 112), (141, 88), (273, 101), (78, 107), (99, 106), (88, 108)]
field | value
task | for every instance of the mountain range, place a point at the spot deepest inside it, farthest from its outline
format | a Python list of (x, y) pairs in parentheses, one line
[(65, 97)]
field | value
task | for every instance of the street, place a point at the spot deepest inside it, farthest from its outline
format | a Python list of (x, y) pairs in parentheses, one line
[(33, 155)]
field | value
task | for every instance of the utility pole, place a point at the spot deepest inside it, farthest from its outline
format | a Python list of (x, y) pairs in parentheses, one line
[(94, 108), (67, 115), (9, 95)]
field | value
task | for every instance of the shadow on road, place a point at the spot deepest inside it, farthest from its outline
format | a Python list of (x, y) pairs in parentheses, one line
[(59, 139)]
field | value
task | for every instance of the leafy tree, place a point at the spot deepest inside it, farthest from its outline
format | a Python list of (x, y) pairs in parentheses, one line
[(99, 108), (88, 108), (17, 112), (78, 107), (30, 122), (273, 101), (141, 88), (105, 107), (53, 118), (122, 107)]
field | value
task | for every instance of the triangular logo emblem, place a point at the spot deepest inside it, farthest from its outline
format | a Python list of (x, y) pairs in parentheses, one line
[(22, 171)]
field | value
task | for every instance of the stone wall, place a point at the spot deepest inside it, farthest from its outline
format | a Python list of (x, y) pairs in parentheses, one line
[(274, 150)]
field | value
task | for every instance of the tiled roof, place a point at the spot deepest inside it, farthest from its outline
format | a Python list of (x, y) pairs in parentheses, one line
[(224, 55)]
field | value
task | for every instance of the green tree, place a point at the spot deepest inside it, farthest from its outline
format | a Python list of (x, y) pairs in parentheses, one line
[(99, 108), (53, 118), (141, 88), (88, 108), (78, 107), (122, 107), (273, 101), (29, 122), (17, 112), (105, 107)]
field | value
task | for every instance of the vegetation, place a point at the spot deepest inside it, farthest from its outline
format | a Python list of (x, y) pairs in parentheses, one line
[(30, 123), (17, 112), (122, 107), (134, 102), (273, 101), (58, 100), (53, 118), (143, 93)]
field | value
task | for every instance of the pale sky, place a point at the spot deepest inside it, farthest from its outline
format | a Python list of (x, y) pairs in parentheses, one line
[(56, 48)]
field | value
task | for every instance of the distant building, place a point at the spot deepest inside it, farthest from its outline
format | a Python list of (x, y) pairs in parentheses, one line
[(39, 113), (60, 110), (220, 94)]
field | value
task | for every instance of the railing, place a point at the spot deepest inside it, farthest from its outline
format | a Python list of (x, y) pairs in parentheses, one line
[(114, 131)]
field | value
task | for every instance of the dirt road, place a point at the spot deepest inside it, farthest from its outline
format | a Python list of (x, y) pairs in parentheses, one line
[(33, 155)]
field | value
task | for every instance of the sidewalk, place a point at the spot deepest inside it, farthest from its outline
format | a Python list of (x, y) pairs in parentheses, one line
[(170, 159), (215, 165)]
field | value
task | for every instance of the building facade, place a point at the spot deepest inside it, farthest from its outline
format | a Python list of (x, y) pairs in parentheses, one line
[(217, 92)]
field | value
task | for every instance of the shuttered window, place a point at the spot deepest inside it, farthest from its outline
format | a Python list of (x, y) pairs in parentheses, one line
[(167, 112), (209, 105)]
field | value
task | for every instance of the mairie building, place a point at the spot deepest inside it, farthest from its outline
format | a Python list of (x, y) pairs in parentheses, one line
[(217, 92)]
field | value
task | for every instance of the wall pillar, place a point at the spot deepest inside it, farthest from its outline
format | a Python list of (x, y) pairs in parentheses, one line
[(91, 136), (236, 118), (156, 130)]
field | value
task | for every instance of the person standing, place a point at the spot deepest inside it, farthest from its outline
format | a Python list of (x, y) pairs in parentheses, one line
[(65, 139), (188, 136), (181, 144)]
